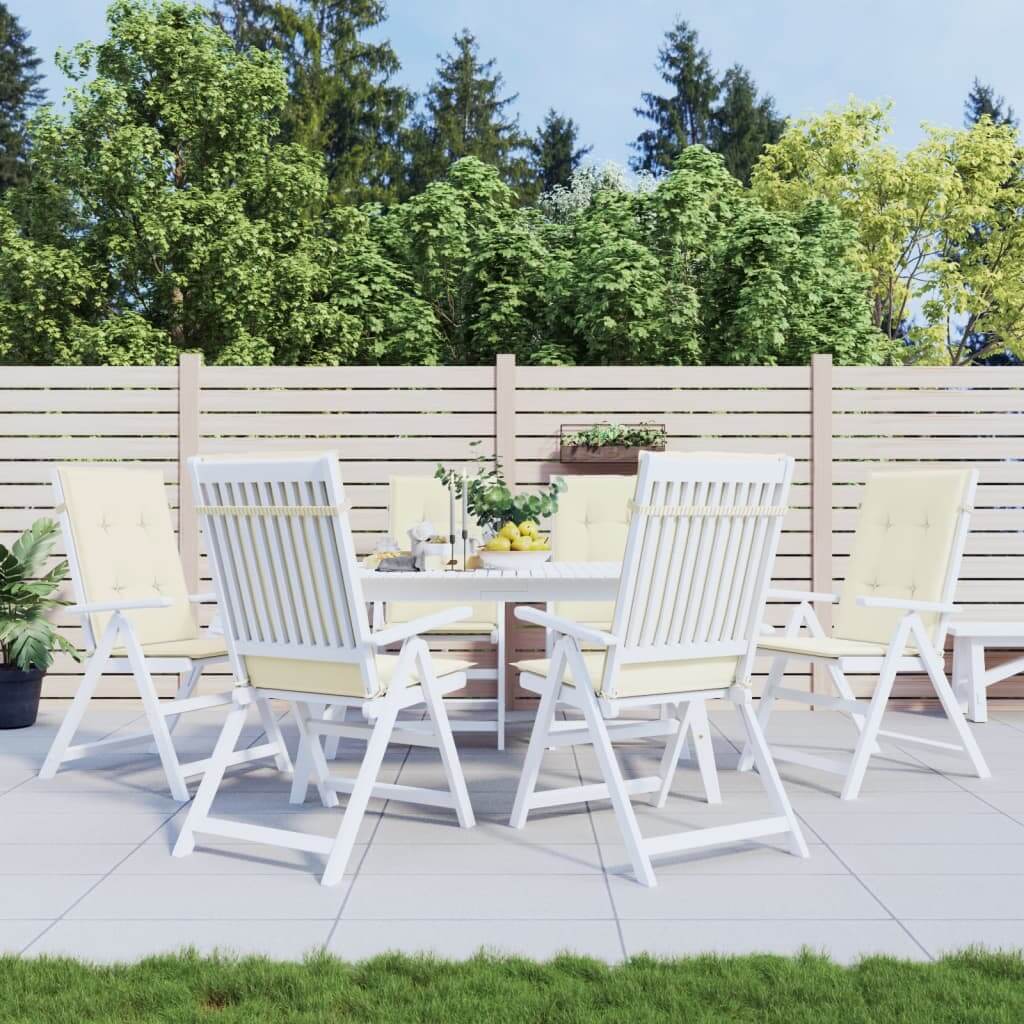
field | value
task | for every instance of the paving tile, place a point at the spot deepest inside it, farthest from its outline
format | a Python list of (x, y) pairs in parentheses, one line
[(230, 858), (978, 896), (925, 828), (880, 802), (210, 897), (429, 827), (16, 935), (738, 897), (477, 897), (35, 896), (127, 941), (61, 858), (39, 800), (942, 937), (844, 941), (751, 858), (80, 828), (931, 858), (457, 940), (494, 859)]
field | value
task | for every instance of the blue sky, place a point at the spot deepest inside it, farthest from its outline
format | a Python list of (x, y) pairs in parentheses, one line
[(593, 58)]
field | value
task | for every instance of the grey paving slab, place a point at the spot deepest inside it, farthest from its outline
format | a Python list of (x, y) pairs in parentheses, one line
[(34, 896), (127, 941), (209, 897), (925, 828), (77, 828), (932, 858), (478, 897), (61, 858), (40, 800), (978, 896), (457, 940), (742, 859), (496, 860), (408, 826), (738, 897), (16, 935), (844, 941), (231, 858), (942, 937)]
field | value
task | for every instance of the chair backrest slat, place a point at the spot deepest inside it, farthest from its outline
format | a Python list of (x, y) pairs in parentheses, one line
[(283, 561), (701, 542)]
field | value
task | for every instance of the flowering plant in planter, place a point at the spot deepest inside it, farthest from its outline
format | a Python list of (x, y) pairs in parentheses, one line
[(28, 639)]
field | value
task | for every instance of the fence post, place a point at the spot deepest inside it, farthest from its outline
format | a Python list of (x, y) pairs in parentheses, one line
[(821, 497), (505, 453), (189, 367)]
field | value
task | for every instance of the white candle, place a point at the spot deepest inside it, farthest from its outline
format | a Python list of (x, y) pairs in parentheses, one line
[(451, 511), (465, 503)]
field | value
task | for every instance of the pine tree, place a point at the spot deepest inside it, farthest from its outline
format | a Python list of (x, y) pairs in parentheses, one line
[(343, 101), (465, 115), (725, 114), (20, 91), (744, 123), (554, 153), (684, 118), (982, 100)]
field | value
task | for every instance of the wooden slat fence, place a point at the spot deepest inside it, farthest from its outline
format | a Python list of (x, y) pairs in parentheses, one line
[(837, 422)]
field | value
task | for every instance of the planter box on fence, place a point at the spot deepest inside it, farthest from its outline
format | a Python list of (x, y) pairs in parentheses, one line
[(617, 454)]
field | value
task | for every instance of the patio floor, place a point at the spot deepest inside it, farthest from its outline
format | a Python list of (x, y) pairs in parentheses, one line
[(930, 859)]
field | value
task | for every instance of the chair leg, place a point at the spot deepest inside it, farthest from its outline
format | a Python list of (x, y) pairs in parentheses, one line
[(272, 731), (331, 743), (312, 755), (673, 751), (157, 722), (362, 790), (705, 750), (538, 744), (843, 688), (977, 698), (764, 711), (612, 774), (222, 751), (769, 774), (501, 677), (446, 742), (75, 713), (867, 742), (934, 666), (185, 688)]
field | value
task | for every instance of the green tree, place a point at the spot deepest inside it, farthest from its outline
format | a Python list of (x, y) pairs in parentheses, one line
[(744, 123), (727, 115), (20, 91), (466, 114), (343, 102), (163, 216), (554, 152), (938, 231), (982, 101)]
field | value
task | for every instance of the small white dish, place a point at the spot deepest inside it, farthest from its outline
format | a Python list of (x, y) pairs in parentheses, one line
[(512, 559)]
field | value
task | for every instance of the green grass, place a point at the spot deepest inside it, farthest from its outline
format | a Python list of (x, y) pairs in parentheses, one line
[(969, 987)]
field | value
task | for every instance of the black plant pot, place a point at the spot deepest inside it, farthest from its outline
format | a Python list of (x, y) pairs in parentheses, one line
[(19, 697)]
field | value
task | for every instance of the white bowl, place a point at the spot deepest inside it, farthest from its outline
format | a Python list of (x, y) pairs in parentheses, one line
[(512, 559)]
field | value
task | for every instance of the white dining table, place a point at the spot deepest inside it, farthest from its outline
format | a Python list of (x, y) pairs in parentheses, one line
[(549, 581)]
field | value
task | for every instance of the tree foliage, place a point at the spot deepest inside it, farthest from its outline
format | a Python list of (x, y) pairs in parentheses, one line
[(938, 230), (20, 91), (342, 101), (554, 152), (724, 114), (982, 101)]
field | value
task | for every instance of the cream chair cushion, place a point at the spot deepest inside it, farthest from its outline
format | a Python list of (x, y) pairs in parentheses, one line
[(203, 646), (591, 525), (125, 547), (413, 499), (335, 678), (821, 647), (906, 533), (654, 677)]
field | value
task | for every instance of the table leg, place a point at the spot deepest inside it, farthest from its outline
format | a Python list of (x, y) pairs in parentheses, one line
[(977, 701)]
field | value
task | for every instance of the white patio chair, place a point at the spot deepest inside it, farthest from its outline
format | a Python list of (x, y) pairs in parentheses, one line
[(136, 612), (694, 577), (286, 575), (892, 617)]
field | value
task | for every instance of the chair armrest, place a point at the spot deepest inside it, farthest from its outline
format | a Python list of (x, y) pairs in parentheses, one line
[(802, 595), (906, 604), (404, 630), (207, 598), (92, 607), (566, 627)]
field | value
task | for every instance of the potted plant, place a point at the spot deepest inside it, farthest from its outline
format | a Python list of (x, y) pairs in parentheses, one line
[(27, 638), (490, 501), (610, 442)]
